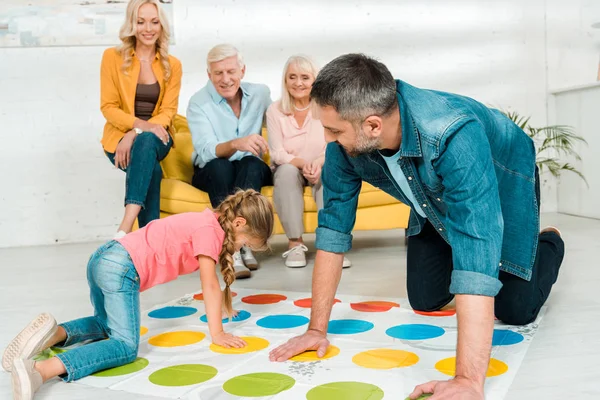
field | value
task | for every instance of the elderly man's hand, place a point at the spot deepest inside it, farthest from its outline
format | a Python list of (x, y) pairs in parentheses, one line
[(254, 143)]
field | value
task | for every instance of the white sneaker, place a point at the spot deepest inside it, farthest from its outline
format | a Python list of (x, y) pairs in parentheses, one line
[(249, 259), (347, 263), (30, 340), (25, 379), (241, 272), (119, 235), (295, 257)]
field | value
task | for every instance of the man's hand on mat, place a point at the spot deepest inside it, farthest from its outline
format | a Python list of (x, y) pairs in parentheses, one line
[(311, 340), (228, 340), (458, 388)]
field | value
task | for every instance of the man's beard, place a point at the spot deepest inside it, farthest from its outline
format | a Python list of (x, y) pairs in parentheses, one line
[(364, 145)]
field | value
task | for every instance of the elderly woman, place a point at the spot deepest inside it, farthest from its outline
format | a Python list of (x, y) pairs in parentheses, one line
[(139, 89), (297, 147)]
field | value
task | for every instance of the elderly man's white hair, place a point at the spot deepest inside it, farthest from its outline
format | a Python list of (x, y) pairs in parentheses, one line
[(221, 52)]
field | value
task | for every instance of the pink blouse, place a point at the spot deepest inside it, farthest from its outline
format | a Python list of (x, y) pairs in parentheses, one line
[(287, 140)]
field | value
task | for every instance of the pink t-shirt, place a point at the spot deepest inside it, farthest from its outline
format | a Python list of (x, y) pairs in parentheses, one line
[(168, 247), (287, 140)]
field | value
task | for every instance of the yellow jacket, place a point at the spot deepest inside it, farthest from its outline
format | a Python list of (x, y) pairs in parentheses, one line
[(117, 95)]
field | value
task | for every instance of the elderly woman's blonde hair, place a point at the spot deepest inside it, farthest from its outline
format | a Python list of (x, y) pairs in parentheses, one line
[(221, 52), (306, 65), (128, 39)]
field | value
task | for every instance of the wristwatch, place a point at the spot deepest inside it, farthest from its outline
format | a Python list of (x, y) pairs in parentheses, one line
[(138, 130)]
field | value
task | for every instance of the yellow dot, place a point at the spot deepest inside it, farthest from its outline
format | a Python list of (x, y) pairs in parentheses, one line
[(175, 339), (385, 359), (253, 344), (448, 366), (143, 330), (311, 355)]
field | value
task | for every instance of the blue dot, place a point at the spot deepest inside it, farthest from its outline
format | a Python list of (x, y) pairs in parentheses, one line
[(242, 316), (504, 337), (348, 326), (282, 321), (415, 332), (172, 312)]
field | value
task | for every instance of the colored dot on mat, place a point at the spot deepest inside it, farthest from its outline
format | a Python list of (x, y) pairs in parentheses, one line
[(258, 384), (176, 339), (282, 321), (505, 337), (348, 326), (242, 316), (264, 299), (448, 366), (415, 332), (253, 344), (200, 296), (385, 359), (345, 391), (307, 302), (143, 330), (421, 397), (138, 365), (311, 355), (49, 353), (439, 313), (172, 312), (374, 306), (183, 375)]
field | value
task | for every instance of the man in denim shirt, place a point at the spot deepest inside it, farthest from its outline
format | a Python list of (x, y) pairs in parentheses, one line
[(225, 119), (469, 175)]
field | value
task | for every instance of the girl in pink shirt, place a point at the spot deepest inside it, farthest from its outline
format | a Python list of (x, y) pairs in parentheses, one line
[(119, 270)]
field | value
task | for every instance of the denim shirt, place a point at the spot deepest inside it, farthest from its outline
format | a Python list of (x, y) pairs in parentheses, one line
[(471, 169), (212, 121)]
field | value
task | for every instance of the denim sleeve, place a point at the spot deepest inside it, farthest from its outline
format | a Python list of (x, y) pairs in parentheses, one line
[(474, 217), (341, 186), (204, 138)]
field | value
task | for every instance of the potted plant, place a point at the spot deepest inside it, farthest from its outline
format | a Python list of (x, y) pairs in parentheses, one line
[(559, 139)]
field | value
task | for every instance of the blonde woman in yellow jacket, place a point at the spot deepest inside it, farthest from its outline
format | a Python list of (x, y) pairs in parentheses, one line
[(139, 85)]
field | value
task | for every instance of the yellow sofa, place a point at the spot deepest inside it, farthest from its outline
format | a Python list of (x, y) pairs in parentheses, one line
[(376, 209)]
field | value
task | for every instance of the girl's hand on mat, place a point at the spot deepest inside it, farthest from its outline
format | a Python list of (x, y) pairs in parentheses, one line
[(310, 340), (234, 313), (459, 388), (228, 340), (123, 151)]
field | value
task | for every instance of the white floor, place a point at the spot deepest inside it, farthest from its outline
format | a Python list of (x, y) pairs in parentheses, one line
[(563, 360)]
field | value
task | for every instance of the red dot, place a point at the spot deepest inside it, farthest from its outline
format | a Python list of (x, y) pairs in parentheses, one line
[(439, 313), (307, 302), (200, 296), (374, 306), (264, 299)]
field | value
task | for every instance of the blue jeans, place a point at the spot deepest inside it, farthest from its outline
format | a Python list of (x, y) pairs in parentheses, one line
[(142, 185), (115, 295), (221, 177)]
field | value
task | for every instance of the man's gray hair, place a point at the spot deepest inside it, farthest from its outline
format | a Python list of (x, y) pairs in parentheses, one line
[(356, 86)]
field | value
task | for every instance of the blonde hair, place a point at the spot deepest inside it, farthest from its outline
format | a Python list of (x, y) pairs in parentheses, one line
[(306, 65), (128, 39), (258, 213), (221, 52)]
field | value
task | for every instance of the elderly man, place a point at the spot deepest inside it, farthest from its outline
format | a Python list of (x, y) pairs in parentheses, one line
[(470, 177), (225, 118)]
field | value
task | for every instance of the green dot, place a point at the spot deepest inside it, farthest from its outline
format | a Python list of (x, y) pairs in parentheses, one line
[(49, 353), (183, 375), (421, 397), (258, 384), (138, 365), (345, 391)]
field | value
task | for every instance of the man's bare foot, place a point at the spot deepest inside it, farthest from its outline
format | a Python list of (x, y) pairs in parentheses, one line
[(551, 229)]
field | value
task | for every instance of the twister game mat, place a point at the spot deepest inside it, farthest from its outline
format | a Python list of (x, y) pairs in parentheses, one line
[(380, 349)]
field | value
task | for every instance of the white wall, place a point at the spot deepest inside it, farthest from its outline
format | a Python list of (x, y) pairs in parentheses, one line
[(57, 185)]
